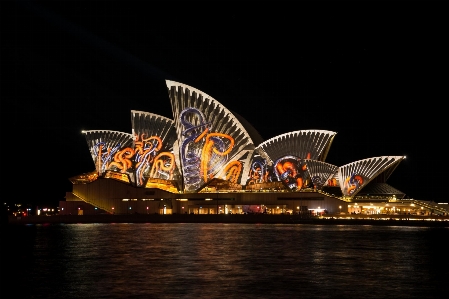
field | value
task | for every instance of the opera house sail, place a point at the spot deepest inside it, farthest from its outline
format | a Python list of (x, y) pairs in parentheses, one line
[(154, 136), (211, 140), (354, 176), (109, 150), (284, 156)]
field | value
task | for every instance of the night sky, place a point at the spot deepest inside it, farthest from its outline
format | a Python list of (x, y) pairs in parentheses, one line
[(375, 73)]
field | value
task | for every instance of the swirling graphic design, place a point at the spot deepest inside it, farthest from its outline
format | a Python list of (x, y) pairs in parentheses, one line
[(122, 160), (290, 172), (146, 149), (317, 181), (104, 156), (202, 153), (332, 182), (352, 183), (232, 171), (163, 166), (258, 173), (146, 159), (214, 150)]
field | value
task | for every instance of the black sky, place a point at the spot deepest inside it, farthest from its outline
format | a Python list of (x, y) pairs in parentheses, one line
[(373, 72)]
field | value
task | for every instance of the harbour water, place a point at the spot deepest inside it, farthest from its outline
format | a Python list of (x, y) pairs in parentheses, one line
[(204, 260)]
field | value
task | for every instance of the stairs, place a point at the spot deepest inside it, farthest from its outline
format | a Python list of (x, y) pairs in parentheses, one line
[(109, 210), (425, 204)]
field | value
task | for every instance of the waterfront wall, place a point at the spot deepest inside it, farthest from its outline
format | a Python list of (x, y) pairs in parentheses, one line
[(242, 218)]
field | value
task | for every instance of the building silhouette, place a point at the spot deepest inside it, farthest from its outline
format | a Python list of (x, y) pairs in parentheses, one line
[(210, 160)]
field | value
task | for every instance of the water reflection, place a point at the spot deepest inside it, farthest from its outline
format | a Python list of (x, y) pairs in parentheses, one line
[(228, 261)]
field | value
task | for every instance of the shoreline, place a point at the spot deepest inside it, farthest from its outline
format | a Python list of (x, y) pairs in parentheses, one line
[(385, 220)]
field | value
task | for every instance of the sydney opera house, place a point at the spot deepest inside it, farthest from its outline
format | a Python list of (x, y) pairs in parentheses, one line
[(209, 160)]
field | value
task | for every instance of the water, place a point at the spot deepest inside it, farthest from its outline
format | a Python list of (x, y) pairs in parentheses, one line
[(224, 261)]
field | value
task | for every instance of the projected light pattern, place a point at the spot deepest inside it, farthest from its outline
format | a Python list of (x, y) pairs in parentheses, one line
[(305, 144), (352, 183), (122, 160), (104, 145), (258, 172), (320, 172), (203, 153), (291, 171), (154, 136), (146, 151), (209, 137), (104, 155), (354, 176), (233, 171), (206, 144)]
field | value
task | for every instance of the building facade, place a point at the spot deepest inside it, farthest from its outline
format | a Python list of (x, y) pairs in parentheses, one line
[(209, 160)]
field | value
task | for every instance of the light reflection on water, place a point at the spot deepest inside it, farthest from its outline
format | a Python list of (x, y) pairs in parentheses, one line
[(228, 261)]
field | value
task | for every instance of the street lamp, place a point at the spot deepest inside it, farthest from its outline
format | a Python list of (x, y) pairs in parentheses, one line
[(340, 209)]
